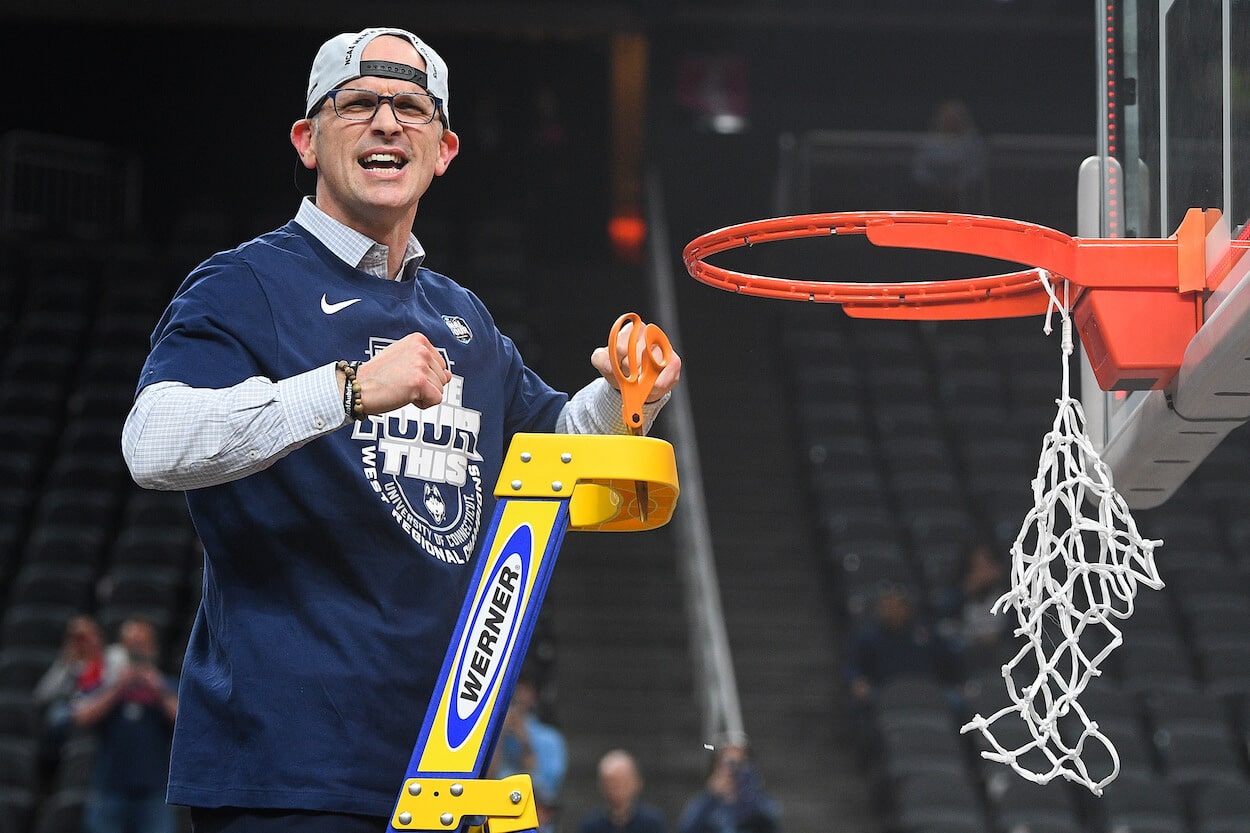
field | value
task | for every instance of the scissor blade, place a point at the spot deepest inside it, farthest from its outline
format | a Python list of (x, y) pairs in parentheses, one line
[(643, 496)]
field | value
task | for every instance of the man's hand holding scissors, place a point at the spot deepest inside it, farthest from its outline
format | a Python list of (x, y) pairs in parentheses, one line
[(639, 362)]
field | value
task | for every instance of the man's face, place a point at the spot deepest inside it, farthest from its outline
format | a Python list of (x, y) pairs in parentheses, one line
[(729, 761), (620, 784), (371, 174), (84, 637), (139, 640)]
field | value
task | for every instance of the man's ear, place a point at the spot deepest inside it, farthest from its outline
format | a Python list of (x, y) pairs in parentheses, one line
[(302, 133), (448, 147)]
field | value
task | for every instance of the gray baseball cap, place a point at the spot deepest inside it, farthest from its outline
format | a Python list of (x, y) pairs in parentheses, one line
[(338, 61)]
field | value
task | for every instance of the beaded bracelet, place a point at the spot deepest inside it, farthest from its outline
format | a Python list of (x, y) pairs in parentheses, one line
[(353, 407)]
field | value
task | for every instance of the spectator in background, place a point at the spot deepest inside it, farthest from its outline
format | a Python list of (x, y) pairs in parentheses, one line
[(77, 670), (950, 164), (528, 745), (896, 643), (133, 714), (980, 634), (621, 786), (733, 800)]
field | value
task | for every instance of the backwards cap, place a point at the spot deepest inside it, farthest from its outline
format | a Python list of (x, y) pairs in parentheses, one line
[(338, 61)]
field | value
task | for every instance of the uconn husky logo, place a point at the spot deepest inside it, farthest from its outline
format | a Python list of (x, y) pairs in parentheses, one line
[(492, 632)]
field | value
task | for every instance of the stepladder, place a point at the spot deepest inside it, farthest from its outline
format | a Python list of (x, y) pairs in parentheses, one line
[(549, 484)]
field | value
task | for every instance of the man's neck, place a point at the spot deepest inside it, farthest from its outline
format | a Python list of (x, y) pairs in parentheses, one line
[(391, 230)]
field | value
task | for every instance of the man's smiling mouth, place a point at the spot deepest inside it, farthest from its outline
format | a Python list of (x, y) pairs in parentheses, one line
[(381, 161)]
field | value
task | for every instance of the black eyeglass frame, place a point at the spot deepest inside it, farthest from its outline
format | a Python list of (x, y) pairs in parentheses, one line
[(388, 99)]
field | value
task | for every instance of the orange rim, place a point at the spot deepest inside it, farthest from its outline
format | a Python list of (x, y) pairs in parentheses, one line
[(1120, 263)]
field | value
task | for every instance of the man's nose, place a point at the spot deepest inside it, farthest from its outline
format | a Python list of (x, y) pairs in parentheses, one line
[(384, 119)]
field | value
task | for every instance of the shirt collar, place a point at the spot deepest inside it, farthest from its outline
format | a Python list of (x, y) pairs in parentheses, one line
[(353, 248)]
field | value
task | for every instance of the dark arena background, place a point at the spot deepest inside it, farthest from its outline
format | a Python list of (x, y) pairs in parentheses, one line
[(835, 456)]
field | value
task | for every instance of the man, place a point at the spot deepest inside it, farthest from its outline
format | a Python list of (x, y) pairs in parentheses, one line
[(133, 715), (621, 786), (78, 670), (895, 644), (528, 745), (733, 799), (330, 585)]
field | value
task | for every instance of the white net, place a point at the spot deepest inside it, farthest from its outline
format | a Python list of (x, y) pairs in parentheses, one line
[(1072, 576)]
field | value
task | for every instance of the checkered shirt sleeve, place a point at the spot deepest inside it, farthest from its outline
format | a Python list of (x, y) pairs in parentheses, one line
[(178, 437)]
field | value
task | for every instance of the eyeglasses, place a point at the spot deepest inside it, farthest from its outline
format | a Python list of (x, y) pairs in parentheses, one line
[(362, 105)]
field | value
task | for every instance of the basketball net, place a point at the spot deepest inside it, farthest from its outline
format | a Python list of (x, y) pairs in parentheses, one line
[(1063, 593)]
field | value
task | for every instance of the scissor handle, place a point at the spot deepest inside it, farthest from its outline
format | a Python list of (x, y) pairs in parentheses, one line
[(636, 383)]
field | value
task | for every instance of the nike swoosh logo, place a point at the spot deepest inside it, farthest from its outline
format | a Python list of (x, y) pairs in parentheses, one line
[(329, 308)]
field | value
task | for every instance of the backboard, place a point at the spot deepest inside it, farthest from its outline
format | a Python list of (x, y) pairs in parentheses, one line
[(1174, 134)]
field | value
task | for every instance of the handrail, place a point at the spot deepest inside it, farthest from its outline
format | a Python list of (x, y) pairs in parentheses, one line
[(709, 641)]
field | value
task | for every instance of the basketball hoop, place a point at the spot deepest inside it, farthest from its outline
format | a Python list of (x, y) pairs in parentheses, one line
[(1137, 304), (1125, 263), (1015, 293), (1060, 588)]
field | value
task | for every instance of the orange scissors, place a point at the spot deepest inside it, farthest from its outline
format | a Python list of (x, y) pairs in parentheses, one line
[(636, 374)]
